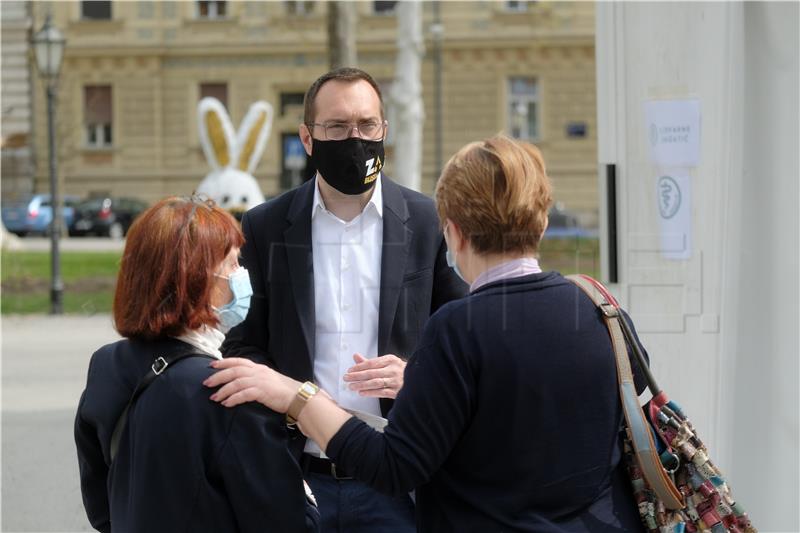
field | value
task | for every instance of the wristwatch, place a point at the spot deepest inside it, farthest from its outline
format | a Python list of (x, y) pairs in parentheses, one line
[(306, 391)]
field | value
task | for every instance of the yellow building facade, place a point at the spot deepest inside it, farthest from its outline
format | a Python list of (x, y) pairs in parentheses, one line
[(134, 71)]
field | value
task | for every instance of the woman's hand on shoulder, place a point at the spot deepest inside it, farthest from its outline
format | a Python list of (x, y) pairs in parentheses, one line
[(242, 380)]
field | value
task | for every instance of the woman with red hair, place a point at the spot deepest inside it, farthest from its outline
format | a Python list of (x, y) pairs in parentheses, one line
[(154, 453)]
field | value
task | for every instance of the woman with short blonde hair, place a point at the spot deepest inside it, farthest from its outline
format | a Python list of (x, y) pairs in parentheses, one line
[(498, 192), (509, 416)]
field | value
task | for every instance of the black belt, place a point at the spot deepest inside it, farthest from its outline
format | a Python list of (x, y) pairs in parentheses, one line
[(317, 465)]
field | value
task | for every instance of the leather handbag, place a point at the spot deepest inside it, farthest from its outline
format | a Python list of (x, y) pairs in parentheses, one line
[(676, 486)]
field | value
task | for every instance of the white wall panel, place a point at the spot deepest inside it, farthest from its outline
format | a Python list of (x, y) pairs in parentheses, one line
[(722, 326)]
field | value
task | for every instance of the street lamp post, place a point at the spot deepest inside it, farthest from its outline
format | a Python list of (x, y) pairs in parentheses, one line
[(48, 47)]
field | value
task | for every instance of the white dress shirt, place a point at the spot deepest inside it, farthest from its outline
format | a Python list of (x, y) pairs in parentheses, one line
[(347, 279)]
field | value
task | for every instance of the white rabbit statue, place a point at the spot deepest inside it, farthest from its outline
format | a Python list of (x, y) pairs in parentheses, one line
[(233, 158)]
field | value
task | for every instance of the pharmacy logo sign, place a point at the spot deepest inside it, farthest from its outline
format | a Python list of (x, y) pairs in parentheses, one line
[(669, 197)]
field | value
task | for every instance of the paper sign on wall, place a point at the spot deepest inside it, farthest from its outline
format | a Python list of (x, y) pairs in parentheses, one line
[(673, 196), (673, 130)]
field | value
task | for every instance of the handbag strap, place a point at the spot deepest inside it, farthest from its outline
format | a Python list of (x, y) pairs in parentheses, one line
[(601, 296), (160, 364), (638, 428)]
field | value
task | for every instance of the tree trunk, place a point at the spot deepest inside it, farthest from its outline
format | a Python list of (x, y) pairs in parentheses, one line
[(342, 34), (406, 96)]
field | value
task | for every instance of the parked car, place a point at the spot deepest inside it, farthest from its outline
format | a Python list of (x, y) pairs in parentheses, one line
[(562, 223), (106, 216), (33, 214)]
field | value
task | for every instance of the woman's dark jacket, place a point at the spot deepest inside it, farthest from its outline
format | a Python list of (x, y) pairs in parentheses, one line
[(185, 463), (508, 420)]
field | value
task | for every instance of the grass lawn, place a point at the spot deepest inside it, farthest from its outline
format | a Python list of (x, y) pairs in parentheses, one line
[(89, 277), (571, 256)]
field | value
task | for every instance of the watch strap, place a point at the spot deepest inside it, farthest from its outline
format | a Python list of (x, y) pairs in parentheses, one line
[(306, 391)]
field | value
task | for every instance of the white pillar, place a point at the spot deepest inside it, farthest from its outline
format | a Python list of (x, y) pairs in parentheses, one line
[(721, 326), (760, 287)]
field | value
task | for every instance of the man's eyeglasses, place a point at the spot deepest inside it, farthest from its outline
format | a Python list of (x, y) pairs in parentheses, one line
[(338, 131)]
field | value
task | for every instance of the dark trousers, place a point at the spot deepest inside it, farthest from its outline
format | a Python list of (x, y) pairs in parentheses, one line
[(350, 506)]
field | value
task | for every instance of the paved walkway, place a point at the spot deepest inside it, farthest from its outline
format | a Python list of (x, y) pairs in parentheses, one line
[(44, 364), (93, 244)]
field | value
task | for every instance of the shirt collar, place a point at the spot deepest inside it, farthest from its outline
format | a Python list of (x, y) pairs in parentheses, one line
[(515, 268), (376, 200), (207, 339)]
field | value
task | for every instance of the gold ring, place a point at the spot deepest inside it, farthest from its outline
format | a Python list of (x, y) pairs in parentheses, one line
[(385, 386)]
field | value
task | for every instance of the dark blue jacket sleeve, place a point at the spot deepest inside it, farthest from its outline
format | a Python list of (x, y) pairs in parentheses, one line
[(93, 471), (429, 415), (274, 500)]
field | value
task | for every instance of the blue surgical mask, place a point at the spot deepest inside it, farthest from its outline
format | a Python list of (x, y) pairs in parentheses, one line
[(451, 262), (234, 312)]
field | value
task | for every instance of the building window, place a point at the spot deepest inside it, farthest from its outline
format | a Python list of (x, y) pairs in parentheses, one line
[(97, 115), (518, 6), (299, 7), (96, 10), (212, 9), (383, 7), (523, 108), (291, 99), (215, 90)]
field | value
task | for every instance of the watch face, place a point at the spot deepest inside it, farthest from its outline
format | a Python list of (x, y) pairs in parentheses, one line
[(309, 388)]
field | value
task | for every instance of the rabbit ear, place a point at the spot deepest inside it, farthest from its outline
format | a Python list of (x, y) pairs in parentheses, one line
[(216, 133), (253, 135)]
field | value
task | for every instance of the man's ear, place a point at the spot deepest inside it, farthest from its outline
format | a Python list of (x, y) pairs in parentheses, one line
[(305, 138)]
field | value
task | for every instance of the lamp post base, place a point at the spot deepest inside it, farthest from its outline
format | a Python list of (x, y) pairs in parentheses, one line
[(56, 301)]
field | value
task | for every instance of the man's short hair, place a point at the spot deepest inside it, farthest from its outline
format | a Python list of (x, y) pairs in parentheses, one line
[(344, 74)]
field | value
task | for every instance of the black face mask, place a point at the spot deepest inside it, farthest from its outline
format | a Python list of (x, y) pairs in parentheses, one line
[(350, 166)]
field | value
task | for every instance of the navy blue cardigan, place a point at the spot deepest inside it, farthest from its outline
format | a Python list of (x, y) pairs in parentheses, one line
[(508, 420), (184, 463)]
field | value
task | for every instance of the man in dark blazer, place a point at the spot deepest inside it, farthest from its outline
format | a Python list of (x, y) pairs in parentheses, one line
[(345, 269)]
